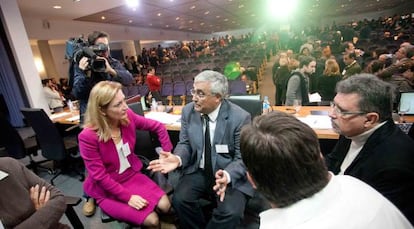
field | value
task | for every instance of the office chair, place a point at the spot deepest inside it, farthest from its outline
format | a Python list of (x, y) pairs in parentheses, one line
[(145, 141), (53, 146), (19, 147)]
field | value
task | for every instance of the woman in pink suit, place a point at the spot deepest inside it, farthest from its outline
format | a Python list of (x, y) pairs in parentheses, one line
[(114, 172)]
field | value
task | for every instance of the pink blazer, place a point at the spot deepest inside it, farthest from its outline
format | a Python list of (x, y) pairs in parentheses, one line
[(102, 161)]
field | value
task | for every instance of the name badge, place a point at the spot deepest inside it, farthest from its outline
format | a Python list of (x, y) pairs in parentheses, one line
[(222, 149), (125, 150), (3, 175)]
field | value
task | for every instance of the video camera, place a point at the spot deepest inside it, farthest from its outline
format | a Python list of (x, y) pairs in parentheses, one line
[(76, 48)]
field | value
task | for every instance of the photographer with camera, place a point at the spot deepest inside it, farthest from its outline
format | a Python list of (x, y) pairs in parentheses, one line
[(94, 64)]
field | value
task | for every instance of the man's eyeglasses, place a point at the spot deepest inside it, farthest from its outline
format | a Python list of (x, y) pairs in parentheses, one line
[(338, 111), (198, 94)]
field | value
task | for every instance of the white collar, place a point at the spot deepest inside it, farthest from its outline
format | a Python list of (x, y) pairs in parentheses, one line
[(214, 114)]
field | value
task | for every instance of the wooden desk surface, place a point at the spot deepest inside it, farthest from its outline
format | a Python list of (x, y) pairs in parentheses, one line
[(66, 117), (306, 110)]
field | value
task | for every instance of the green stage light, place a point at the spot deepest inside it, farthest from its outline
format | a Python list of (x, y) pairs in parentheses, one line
[(281, 9)]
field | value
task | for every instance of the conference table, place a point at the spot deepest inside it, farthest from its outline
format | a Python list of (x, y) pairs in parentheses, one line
[(315, 116)]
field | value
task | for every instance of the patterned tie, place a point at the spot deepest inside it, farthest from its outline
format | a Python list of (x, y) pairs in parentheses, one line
[(208, 168)]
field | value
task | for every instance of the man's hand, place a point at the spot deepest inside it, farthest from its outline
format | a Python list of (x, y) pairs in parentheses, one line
[(221, 184), (83, 63), (137, 202), (165, 163), (39, 199)]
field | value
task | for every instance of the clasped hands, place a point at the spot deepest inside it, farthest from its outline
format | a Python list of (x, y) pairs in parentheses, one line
[(168, 162)]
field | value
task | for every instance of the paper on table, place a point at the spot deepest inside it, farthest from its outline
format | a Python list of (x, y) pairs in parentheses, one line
[(58, 115), (163, 117), (315, 97), (317, 121), (74, 118)]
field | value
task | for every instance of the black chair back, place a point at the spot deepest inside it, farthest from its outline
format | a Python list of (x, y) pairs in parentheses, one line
[(47, 134), (145, 141), (137, 108), (254, 107), (13, 142)]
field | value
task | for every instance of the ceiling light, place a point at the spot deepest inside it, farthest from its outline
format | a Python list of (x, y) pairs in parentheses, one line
[(130, 21), (76, 0), (207, 12), (103, 17), (57, 7), (177, 18), (159, 14), (192, 7)]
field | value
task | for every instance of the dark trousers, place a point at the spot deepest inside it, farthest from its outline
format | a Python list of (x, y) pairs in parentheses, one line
[(187, 194)]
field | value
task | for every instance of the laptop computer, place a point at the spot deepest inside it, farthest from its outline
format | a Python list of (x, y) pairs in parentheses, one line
[(406, 104)]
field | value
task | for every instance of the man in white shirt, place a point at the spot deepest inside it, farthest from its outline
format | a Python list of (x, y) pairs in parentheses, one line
[(284, 163)]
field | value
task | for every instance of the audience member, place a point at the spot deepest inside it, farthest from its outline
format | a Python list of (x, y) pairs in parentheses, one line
[(219, 121), (280, 79), (154, 84), (351, 65), (107, 145), (298, 83), (54, 99), (327, 83), (28, 201), (371, 147), (285, 163)]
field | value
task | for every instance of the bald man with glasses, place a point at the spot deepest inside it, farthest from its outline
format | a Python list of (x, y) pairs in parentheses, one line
[(371, 147)]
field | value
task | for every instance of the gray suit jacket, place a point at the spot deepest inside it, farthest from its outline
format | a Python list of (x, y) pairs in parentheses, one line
[(230, 120)]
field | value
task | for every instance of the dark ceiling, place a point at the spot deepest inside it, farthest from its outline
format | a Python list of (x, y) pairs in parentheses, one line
[(208, 16)]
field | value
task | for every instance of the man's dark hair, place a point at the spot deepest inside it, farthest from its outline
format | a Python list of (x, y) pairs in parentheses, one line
[(95, 35), (305, 61), (283, 157), (375, 94)]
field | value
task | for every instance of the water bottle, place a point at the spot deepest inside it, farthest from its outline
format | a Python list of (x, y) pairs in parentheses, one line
[(70, 105), (154, 105), (266, 105)]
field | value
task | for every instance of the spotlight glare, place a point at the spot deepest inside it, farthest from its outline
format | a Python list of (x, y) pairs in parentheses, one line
[(132, 3), (281, 9)]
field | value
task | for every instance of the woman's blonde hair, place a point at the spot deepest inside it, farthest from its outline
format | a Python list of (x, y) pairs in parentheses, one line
[(331, 68), (100, 97)]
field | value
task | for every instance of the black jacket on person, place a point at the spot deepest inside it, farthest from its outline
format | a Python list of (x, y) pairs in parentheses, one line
[(386, 162)]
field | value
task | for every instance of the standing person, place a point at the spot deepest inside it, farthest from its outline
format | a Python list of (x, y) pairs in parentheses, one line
[(280, 79), (327, 83), (371, 147), (209, 169), (284, 162), (298, 83), (26, 200), (107, 145), (85, 78), (154, 83)]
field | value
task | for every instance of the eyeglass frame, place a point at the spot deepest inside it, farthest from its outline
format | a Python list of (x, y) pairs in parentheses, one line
[(199, 94), (338, 111)]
